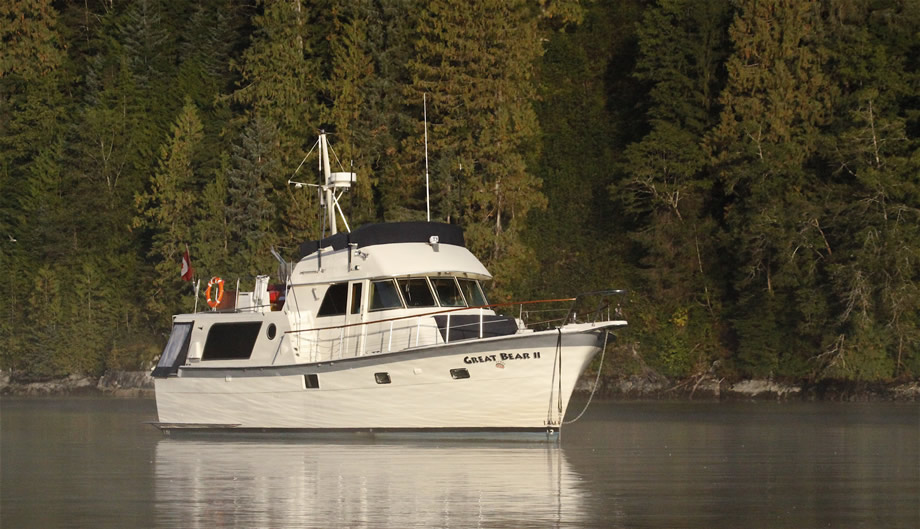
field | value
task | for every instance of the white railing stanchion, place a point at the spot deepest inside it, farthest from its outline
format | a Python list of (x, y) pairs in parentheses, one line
[(390, 342), (480, 322), (447, 332), (418, 329)]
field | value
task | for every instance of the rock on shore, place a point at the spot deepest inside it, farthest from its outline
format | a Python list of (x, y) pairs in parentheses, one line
[(656, 387), (114, 383)]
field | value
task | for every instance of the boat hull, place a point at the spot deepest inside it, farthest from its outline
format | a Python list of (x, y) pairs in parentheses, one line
[(514, 384)]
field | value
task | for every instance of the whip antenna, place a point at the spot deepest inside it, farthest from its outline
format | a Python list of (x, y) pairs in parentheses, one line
[(427, 200)]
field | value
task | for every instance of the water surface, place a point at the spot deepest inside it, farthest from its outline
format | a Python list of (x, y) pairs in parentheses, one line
[(94, 463)]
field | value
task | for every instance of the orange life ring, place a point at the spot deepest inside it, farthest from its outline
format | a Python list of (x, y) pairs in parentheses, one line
[(220, 291)]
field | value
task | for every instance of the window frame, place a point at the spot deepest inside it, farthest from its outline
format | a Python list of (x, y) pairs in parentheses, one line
[(373, 289)]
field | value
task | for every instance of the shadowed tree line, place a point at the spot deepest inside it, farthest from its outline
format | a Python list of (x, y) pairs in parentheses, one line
[(749, 170)]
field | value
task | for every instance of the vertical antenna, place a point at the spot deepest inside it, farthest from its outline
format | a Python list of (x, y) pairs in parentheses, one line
[(427, 200)]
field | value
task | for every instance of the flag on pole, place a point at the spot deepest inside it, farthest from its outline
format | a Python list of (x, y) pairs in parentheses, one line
[(187, 269)]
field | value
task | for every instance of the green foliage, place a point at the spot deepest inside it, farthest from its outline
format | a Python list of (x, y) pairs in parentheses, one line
[(749, 169), (477, 61)]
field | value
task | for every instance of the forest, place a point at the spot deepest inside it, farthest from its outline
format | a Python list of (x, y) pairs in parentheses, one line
[(749, 170)]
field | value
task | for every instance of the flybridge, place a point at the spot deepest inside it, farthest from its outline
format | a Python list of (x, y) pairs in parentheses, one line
[(390, 233)]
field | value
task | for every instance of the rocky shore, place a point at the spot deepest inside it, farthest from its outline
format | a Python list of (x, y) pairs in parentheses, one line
[(653, 387), (139, 384), (131, 384)]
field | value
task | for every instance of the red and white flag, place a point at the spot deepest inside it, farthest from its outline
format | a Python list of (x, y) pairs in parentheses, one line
[(187, 269)]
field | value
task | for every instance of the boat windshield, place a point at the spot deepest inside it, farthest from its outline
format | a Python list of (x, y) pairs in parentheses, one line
[(384, 295), (472, 292), (416, 292), (448, 292)]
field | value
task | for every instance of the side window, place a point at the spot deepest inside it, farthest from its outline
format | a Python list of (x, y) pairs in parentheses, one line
[(416, 292), (231, 341), (384, 295), (356, 298), (472, 292), (448, 293), (176, 350), (334, 301)]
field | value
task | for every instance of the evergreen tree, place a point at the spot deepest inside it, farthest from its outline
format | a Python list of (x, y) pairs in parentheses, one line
[(281, 75), (476, 61), (254, 166), (668, 186), (875, 269), (168, 210), (776, 99)]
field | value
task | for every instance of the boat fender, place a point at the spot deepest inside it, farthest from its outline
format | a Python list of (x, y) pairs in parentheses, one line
[(220, 291)]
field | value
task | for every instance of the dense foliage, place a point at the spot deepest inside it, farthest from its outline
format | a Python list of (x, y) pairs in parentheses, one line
[(750, 170)]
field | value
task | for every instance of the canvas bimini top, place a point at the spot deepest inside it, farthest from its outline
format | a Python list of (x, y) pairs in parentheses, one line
[(389, 233)]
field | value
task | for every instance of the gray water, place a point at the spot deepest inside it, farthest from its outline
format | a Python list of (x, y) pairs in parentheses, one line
[(94, 463)]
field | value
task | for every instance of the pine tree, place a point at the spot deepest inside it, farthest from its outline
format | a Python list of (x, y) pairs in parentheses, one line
[(874, 272), (668, 186), (776, 99), (281, 75), (254, 166), (476, 62), (168, 210)]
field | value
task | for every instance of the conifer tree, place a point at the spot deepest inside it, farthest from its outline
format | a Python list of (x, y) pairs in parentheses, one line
[(668, 186), (476, 62), (281, 75), (776, 99), (254, 166), (874, 272), (168, 210)]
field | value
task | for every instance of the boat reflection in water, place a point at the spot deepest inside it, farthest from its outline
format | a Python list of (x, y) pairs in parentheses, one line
[(285, 483)]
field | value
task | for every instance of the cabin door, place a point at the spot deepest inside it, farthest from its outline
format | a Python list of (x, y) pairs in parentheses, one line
[(339, 330)]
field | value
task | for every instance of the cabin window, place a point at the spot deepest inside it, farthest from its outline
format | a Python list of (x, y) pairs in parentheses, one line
[(176, 350), (416, 292), (448, 293), (460, 373), (384, 295), (356, 298), (335, 300), (382, 378), (231, 341), (311, 381), (472, 292)]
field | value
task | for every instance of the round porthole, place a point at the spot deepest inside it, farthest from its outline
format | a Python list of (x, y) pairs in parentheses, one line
[(271, 331)]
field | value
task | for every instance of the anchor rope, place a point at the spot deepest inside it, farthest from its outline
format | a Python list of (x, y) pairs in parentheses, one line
[(597, 379), (557, 361)]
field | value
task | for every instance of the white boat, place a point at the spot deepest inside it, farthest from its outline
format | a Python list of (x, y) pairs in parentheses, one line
[(384, 329)]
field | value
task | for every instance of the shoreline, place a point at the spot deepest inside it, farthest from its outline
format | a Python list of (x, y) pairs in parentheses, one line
[(139, 384)]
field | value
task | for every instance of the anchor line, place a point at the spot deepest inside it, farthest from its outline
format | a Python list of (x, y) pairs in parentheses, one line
[(597, 379), (557, 366)]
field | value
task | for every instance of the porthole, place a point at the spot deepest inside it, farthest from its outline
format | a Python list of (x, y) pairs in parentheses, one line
[(460, 373), (311, 381), (382, 378), (271, 331)]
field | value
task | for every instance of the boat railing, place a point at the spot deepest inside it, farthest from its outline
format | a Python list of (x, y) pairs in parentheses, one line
[(418, 330)]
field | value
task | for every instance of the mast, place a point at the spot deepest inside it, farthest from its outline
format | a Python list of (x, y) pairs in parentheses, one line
[(329, 195)]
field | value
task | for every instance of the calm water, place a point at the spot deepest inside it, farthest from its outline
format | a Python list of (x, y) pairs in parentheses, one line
[(93, 463)]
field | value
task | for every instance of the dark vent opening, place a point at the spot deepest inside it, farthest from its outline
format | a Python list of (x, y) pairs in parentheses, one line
[(459, 373), (311, 381)]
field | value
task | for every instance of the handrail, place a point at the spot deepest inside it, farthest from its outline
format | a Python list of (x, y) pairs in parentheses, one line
[(491, 305)]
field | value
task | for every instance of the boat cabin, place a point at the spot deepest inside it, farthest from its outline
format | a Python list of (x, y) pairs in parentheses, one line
[(382, 288)]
